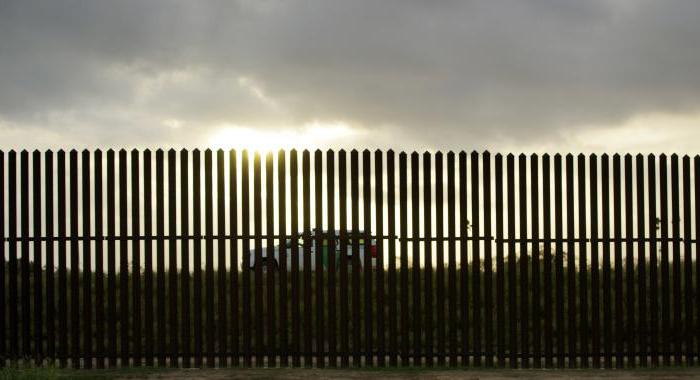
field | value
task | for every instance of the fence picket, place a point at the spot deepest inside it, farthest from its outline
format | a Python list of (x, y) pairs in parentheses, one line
[(233, 247), (500, 266), (270, 275), (524, 286), (211, 337), (332, 259), (676, 326), (343, 292), (111, 254), (124, 325), (148, 259), (355, 260), (570, 263), (367, 257), (595, 266), (476, 259), (629, 275), (463, 258), (25, 292), (50, 233), (245, 256), (38, 269), (222, 311), (617, 235), (160, 259), (608, 339), (343, 215), (535, 232), (379, 222), (393, 316), (641, 279), (547, 262), (75, 330), (427, 259), (49, 295), (688, 339), (197, 259), (87, 259), (440, 261), (319, 335), (283, 249), (185, 325), (403, 226), (259, 326), (512, 300), (488, 262), (415, 246), (559, 261), (135, 256), (294, 193), (696, 192), (452, 262), (306, 237), (583, 327), (173, 328), (653, 259)]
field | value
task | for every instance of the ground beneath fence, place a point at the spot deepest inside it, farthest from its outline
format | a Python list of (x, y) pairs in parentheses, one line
[(306, 374)]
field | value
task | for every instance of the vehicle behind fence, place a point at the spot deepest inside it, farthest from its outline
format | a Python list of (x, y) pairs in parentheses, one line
[(336, 259)]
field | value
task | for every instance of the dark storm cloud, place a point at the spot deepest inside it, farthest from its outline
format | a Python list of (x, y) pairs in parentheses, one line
[(443, 74)]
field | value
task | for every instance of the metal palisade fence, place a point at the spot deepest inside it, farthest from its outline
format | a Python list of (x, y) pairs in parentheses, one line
[(337, 259)]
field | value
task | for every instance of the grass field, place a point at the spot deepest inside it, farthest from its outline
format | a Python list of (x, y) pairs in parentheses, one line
[(149, 307), (24, 372), (304, 374)]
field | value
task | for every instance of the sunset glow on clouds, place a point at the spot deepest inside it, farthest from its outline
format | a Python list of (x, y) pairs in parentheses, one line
[(535, 75), (312, 135)]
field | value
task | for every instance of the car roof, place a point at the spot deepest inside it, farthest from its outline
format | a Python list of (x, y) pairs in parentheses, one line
[(337, 232)]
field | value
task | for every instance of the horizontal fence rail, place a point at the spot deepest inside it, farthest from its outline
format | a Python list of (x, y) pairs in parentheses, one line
[(327, 235), (338, 259)]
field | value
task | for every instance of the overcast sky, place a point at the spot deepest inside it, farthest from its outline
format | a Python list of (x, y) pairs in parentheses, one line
[(535, 75)]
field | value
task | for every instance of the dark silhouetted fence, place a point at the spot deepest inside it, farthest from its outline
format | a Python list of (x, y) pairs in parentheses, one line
[(348, 259)]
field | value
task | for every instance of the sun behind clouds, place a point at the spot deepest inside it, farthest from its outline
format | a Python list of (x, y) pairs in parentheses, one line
[(309, 135)]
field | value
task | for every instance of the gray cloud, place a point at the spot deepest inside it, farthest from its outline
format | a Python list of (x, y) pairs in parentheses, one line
[(447, 74)]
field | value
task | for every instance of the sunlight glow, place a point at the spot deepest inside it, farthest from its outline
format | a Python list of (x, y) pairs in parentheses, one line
[(310, 135), (655, 132)]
